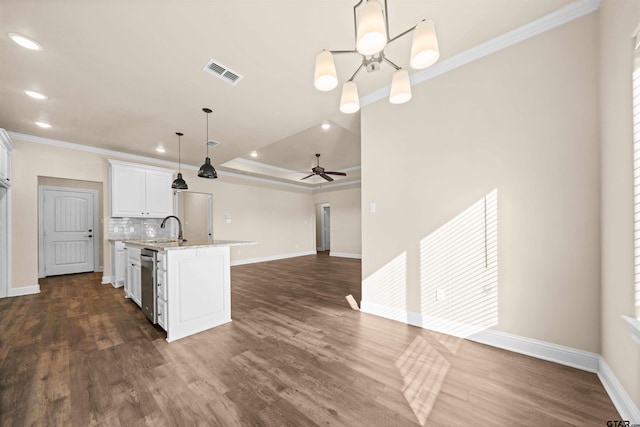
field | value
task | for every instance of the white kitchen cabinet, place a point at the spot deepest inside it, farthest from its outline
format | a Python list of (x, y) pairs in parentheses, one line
[(118, 264), (133, 280), (140, 191), (161, 286)]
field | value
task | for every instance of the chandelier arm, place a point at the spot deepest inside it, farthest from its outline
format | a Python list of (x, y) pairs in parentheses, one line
[(386, 19), (338, 52), (405, 32), (354, 74), (355, 22), (390, 63)]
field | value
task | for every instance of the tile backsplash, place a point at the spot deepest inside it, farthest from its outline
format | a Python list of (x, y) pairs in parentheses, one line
[(140, 228)]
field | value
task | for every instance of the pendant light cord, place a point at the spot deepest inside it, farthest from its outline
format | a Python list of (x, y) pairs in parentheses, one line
[(179, 159), (207, 142)]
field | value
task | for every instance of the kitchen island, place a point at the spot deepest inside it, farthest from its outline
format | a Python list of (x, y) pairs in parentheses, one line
[(192, 283)]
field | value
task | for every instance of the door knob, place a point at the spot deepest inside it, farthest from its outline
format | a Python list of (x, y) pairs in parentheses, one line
[(89, 235)]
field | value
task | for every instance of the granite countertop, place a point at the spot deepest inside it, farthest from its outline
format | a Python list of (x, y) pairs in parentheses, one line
[(169, 244)]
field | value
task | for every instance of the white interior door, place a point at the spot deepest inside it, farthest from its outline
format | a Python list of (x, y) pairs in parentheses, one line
[(326, 227), (68, 231)]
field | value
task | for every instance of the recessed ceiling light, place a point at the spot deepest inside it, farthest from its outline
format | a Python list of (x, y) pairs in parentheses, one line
[(326, 126), (160, 149), (35, 95), (25, 41), (43, 125), (254, 153)]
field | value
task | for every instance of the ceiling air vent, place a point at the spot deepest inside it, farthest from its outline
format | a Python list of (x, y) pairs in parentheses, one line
[(211, 143), (222, 72)]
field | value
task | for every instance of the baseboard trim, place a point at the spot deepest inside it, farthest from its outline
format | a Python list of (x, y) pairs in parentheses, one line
[(271, 258), (568, 356), (345, 255), (106, 280), (619, 396), (24, 290)]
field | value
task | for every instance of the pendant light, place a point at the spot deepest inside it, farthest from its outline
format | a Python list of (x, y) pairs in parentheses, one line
[(207, 170), (179, 183)]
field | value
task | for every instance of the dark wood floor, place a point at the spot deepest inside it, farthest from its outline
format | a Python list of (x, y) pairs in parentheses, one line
[(295, 354)]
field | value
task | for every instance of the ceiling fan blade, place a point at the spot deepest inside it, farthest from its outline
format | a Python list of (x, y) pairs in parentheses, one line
[(308, 176), (336, 173), (327, 177)]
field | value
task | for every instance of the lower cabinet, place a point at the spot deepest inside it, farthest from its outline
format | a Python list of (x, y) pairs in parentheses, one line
[(161, 290), (133, 279)]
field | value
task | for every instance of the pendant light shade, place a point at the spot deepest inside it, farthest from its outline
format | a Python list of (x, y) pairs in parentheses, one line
[(349, 101), (400, 87), (179, 183), (371, 36), (326, 78), (207, 170), (424, 48)]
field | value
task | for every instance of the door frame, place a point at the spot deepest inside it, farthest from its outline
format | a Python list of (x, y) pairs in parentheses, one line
[(96, 226), (5, 244)]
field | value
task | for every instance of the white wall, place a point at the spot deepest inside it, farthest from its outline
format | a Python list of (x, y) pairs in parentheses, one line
[(279, 218), (523, 121), (617, 20)]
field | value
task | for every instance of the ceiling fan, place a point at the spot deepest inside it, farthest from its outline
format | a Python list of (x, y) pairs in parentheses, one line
[(319, 170)]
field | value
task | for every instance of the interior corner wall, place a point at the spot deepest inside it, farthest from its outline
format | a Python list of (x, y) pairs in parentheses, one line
[(617, 21), (346, 219), (522, 121), (279, 218)]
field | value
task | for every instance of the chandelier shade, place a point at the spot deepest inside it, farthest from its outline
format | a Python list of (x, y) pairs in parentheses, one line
[(372, 33), (400, 87), (325, 78), (424, 48), (349, 101)]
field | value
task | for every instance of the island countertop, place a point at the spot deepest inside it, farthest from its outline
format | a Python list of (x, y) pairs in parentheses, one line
[(167, 244)]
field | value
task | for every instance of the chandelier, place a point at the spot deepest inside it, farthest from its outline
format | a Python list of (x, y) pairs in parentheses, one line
[(371, 23)]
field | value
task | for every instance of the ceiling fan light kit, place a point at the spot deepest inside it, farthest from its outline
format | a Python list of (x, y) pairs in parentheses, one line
[(179, 183), (372, 36), (207, 170)]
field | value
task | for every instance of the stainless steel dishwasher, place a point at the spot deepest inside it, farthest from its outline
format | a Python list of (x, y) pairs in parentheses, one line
[(148, 285)]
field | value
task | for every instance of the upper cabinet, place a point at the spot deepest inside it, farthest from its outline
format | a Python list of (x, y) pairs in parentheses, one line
[(140, 190), (5, 158)]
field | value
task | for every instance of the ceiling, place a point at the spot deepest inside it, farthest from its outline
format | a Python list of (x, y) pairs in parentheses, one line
[(126, 76)]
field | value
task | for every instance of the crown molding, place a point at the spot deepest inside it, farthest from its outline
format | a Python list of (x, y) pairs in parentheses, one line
[(95, 150), (565, 14), (128, 156)]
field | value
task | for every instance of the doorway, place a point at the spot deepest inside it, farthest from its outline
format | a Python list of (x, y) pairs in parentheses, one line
[(68, 230), (323, 227)]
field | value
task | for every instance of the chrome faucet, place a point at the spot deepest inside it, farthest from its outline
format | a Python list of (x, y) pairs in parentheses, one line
[(179, 226)]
